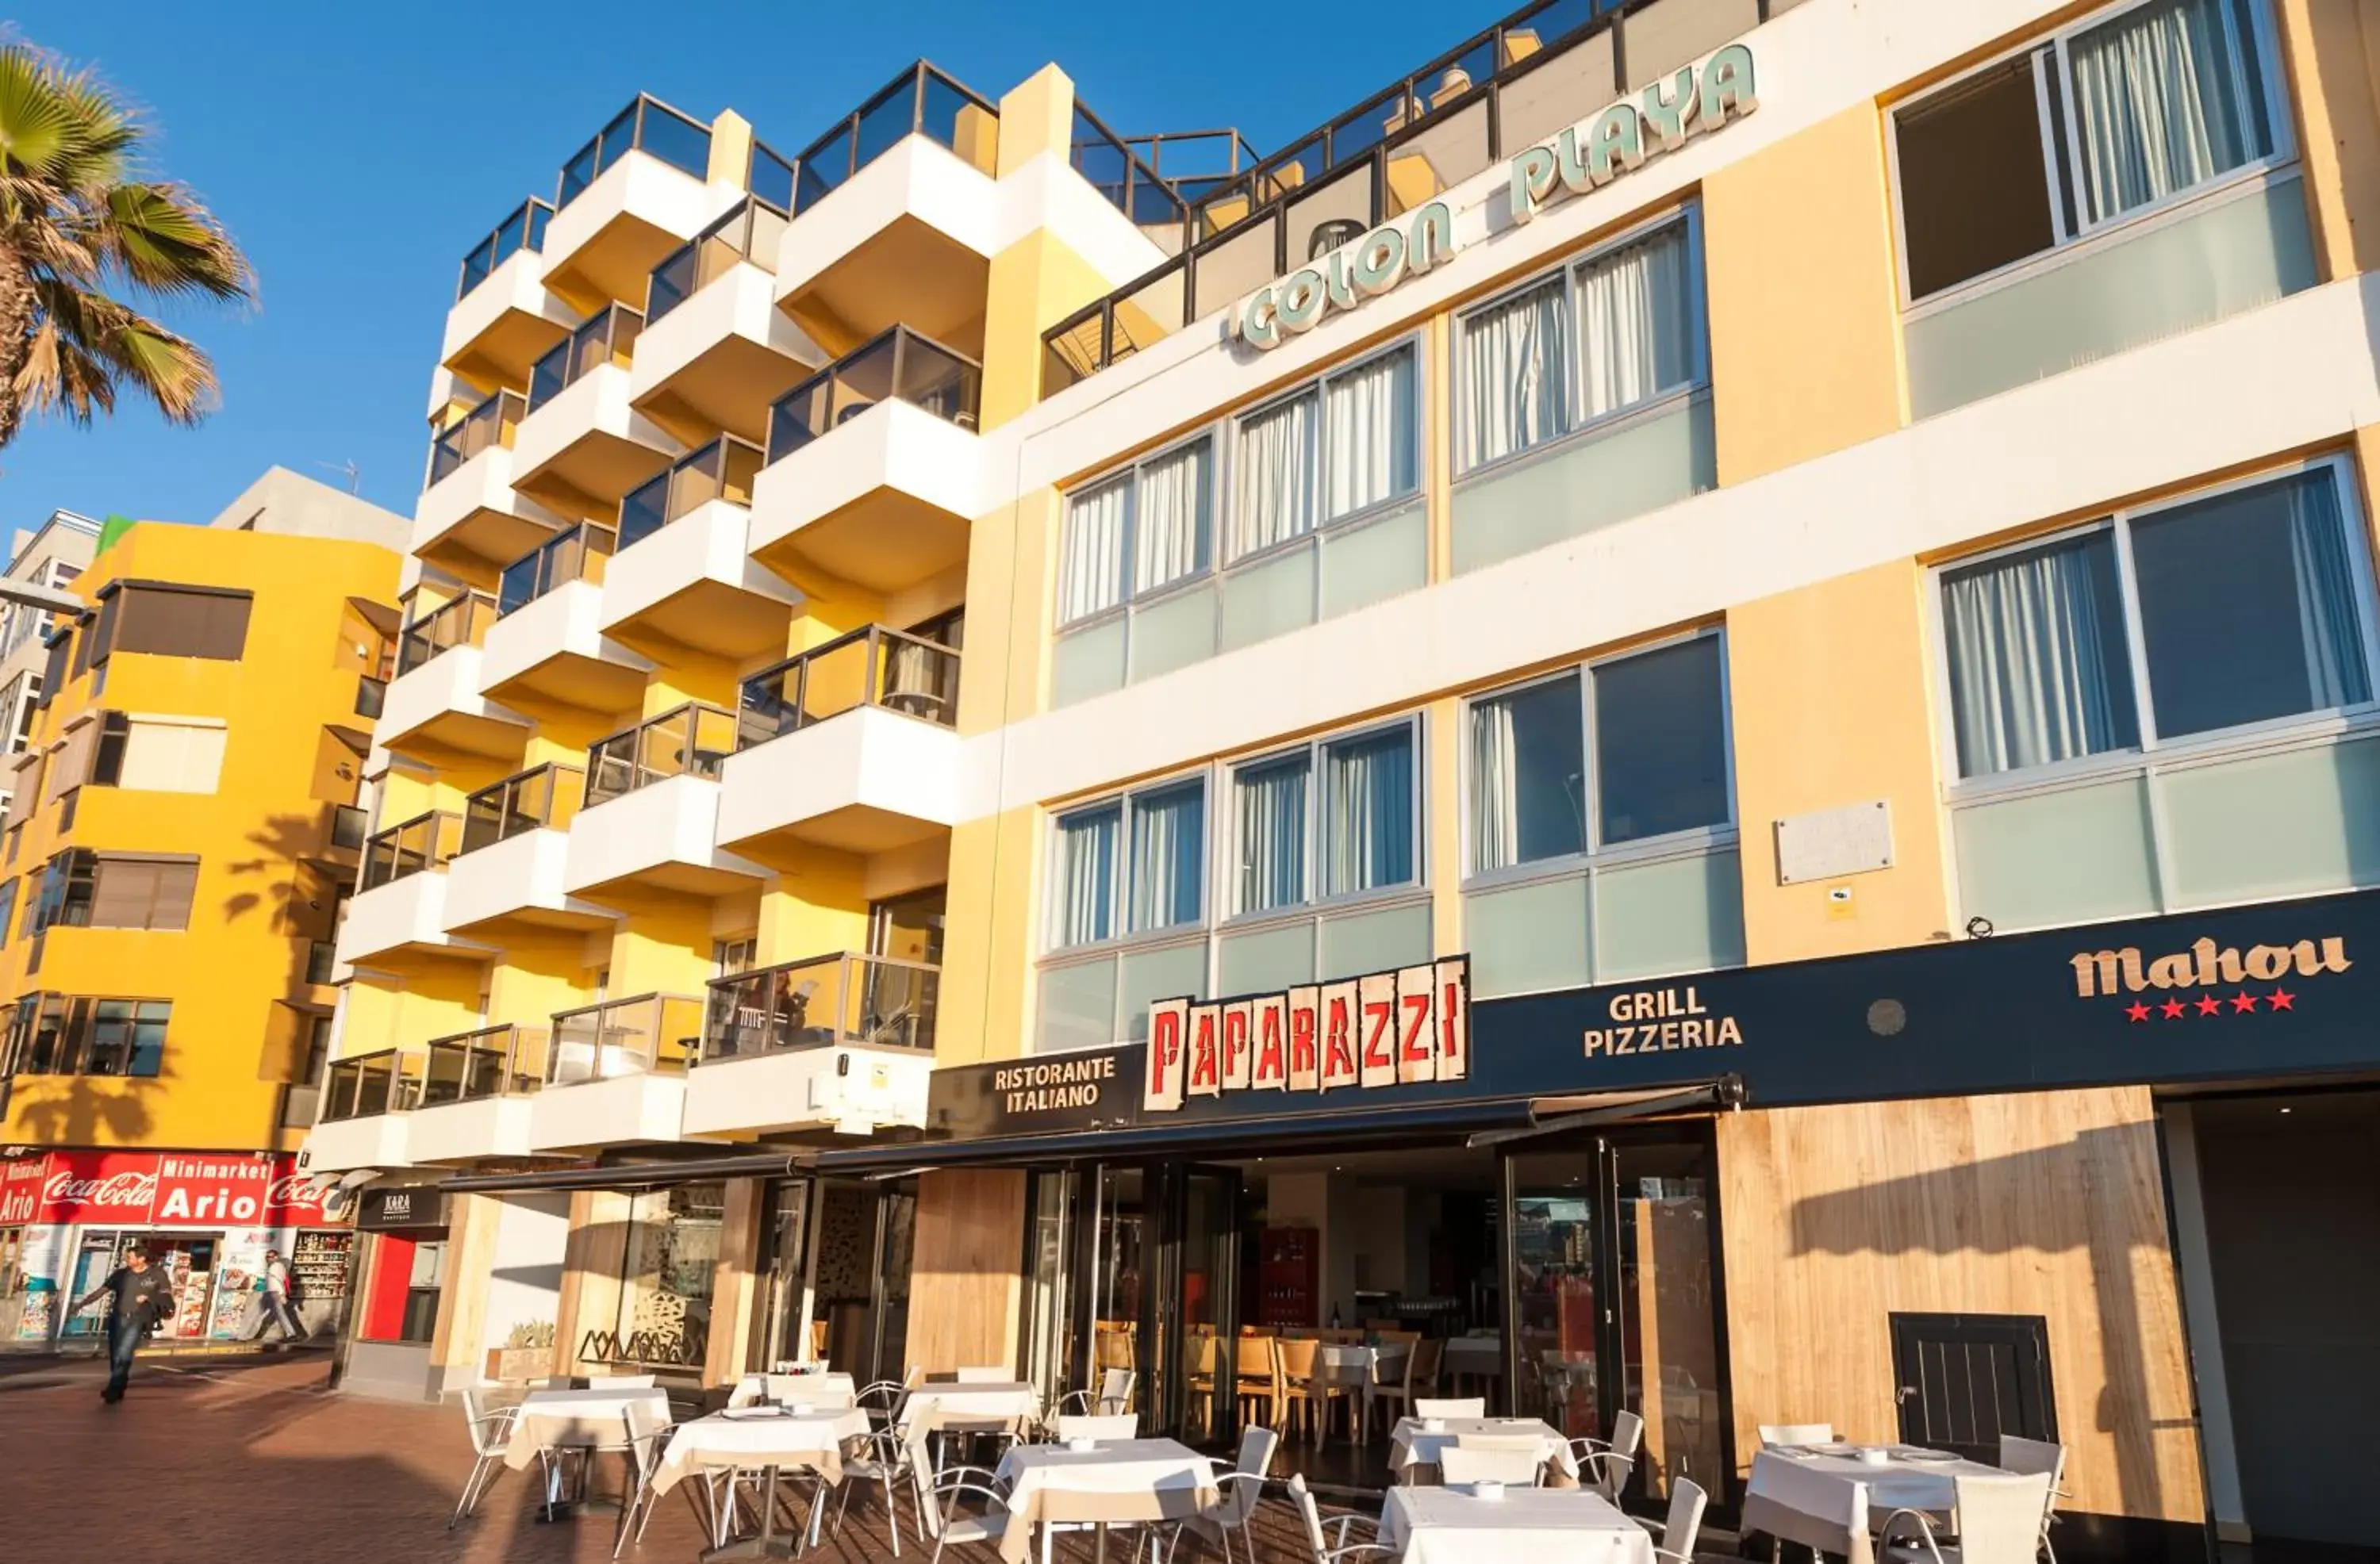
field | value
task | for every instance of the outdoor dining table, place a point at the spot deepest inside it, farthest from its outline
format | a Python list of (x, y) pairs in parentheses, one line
[(1345, 1365), (1474, 1355), (786, 1389), (1826, 1497), (579, 1420), (1453, 1525), (769, 1443), (1413, 1443), (1116, 1480)]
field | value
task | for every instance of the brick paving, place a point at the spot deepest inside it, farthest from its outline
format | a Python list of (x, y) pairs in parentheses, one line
[(242, 1461)]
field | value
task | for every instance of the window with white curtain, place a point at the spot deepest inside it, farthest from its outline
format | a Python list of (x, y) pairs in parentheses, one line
[(2129, 108), (1339, 818), (2245, 606), (1654, 724), (1329, 451), (1134, 864), (1615, 331), (1138, 532)]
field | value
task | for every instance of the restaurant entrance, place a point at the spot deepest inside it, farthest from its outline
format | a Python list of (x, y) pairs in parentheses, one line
[(1567, 1278)]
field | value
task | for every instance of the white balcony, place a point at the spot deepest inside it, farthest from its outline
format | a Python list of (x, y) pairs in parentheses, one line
[(662, 837), (583, 448), (883, 499), (462, 1132), (852, 1090), (519, 881), (376, 1140), (605, 243), (403, 917), (866, 781), (718, 359), (500, 327), (695, 584), (552, 649), (909, 238), (471, 523), (435, 712), (624, 1111)]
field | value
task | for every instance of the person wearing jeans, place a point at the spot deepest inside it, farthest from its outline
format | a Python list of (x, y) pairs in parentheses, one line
[(138, 1296)]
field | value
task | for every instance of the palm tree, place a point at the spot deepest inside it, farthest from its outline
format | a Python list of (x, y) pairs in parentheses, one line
[(79, 218)]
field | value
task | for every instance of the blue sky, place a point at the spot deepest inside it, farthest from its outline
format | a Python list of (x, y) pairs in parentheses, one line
[(356, 151)]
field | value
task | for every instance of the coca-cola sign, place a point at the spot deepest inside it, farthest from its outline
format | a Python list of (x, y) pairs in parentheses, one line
[(163, 1189)]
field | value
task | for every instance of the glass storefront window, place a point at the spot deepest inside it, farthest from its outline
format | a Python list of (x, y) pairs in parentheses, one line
[(1669, 1352), (672, 1259), (1554, 1290), (1121, 1265)]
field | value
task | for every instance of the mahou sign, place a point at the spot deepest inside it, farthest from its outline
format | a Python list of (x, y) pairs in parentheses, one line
[(159, 1189), (1390, 1027)]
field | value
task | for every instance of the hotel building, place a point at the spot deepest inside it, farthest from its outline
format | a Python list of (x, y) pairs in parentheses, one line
[(182, 830), (1690, 700)]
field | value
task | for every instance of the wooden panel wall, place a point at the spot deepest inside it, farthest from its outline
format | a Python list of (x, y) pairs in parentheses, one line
[(966, 1280), (733, 1288), (471, 1224), (2036, 1204), (590, 1271)]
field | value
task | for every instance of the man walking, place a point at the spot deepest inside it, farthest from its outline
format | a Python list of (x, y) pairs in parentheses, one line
[(138, 1297), (280, 1307)]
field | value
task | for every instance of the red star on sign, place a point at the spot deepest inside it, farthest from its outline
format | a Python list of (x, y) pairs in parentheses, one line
[(2137, 1011), (2281, 999), (2243, 1002), (2173, 1009), (2209, 1005)]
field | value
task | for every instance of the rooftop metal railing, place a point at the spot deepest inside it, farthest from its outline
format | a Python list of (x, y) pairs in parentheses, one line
[(898, 363), (874, 665), (879, 1001)]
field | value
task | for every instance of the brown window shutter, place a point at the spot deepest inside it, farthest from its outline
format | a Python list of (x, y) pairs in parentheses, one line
[(178, 887), (143, 892), (71, 767), (178, 622)]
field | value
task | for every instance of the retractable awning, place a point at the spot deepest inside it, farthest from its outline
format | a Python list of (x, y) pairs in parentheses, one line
[(638, 1175), (1553, 1115)]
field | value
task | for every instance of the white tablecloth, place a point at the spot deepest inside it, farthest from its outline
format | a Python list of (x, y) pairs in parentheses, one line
[(760, 1441), (1121, 1480), (1527, 1527), (1411, 1445), (819, 1389), (989, 1402), (1829, 1501), (577, 1418)]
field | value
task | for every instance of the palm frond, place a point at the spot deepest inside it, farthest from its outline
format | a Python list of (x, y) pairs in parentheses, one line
[(169, 244), (168, 368)]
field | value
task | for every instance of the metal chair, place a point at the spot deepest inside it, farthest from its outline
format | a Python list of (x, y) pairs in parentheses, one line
[(649, 1431), (1241, 1486), (1320, 1549), (887, 1463), (1123, 1425), (1114, 1395), (1611, 1460), (491, 1430), (1999, 1522), (1685, 1522), (2028, 1457), (1518, 1466), (882, 1402), (948, 1526)]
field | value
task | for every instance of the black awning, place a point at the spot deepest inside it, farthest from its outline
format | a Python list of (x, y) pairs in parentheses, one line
[(1551, 1116), (637, 1175)]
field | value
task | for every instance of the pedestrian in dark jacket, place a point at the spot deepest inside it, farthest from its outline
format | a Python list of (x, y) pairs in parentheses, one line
[(137, 1295)]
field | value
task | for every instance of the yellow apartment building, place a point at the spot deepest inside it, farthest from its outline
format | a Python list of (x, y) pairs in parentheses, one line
[(1678, 721), (182, 833)]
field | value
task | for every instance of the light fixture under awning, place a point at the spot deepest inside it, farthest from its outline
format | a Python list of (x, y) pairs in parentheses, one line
[(1553, 1115)]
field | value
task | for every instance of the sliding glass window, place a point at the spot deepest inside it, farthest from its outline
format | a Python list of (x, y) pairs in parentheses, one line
[(1599, 824), (1127, 912), (2119, 695)]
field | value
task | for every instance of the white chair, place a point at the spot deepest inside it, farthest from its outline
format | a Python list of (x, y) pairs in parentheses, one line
[(1114, 1394), (1775, 1434), (950, 1527), (1606, 1462), (1241, 1486), (492, 1431), (1476, 1406), (986, 1374), (1123, 1425), (1999, 1522), (1685, 1522), (1515, 1465), (648, 1432), (2028, 1457), (1320, 1549), (887, 1463)]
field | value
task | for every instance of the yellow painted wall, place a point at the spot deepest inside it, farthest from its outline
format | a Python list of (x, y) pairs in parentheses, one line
[(1804, 321), (1829, 695), (232, 974), (987, 992), (2332, 51)]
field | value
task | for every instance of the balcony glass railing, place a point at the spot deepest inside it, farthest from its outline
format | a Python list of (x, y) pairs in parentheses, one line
[(425, 841), (647, 126), (769, 176), (748, 232), (877, 1000), (544, 797), (1507, 88), (489, 424), (920, 101), (461, 622), (368, 1084), (873, 666), (608, 337), (575, 554), (721, 470), (650, 1033), (690, 741), (523, 228), (900, 363), (492, 1061)]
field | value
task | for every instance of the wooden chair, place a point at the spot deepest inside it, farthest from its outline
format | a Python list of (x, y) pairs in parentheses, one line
[(1205, 1363), (1255, 1376), (1420, 1369), (1298, 1394), (1999, 1522)]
